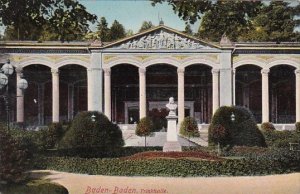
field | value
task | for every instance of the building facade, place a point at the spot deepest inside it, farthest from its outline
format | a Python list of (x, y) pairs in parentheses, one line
[(134, 77)]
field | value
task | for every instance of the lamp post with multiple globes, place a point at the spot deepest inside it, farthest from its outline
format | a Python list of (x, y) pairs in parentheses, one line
[(6, 71)]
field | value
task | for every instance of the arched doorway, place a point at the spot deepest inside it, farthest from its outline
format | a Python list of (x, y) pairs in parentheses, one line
[(125, 94), (198, 90), (248, 89), (282, 94), (72, 91), (161, 82), (38, 95)]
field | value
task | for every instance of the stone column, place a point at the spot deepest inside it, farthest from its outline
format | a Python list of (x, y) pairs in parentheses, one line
[(94, 78), (70, 101), (107, 91), (233, 86), (297, 72), (55, 95), (142, 78), (180, 74), (20, 98), (265, 94), (215, 89), (40, 103)]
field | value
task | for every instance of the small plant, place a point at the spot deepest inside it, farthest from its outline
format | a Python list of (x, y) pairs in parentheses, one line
[(54, 133), (144, 128), (189, 127), (267, 127)]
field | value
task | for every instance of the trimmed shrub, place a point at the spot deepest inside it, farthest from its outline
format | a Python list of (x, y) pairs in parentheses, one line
[(144, 128), (55, 133), (86, 135), (267, 127), (14, 160), (35, 187), (243, 131), (297, 127), (281, 139), (189, 127)]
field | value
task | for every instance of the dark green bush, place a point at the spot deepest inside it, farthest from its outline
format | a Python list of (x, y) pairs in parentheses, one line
[(269, 163), (267, 127), (281, 139), (297, 127), (189, 127), (54, 134), (14, 159), (243, 131), (86, 134), (35, 187)]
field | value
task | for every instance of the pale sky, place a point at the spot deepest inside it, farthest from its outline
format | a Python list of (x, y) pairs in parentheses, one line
[(132, 13)]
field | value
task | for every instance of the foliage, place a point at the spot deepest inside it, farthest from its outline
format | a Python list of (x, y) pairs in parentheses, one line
[(35, 187), (34, 20), (103, 31), (281, 139), (189, 127), (297, 127), (146, 25), (144, 128), (158, 118), (13, 158), (240, 20), (117, 31), (85, 134), (243, 131), (188, 30), (55, 133), (267, 127), (273, 162)]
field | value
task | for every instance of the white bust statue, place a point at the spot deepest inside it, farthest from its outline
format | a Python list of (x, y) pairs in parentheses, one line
[(172, 107)]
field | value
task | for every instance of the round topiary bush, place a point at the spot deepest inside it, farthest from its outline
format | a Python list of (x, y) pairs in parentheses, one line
[(267, 127), (240, 130), (54, 133), (189, 127), (92, 131)]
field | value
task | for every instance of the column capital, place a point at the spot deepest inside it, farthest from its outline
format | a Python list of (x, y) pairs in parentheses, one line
[(215, 71), (297, 72), (265, 71), (19, 70), (54, 71), (107, 71), (142, 70), (180, 71)]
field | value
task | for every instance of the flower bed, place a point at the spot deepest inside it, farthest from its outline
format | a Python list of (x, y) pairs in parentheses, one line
[(190, 154)]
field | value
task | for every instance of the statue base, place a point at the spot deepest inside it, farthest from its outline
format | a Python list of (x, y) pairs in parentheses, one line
[(172, 146)]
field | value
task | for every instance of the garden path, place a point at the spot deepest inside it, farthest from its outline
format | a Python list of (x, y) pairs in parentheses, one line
[(84, 184)]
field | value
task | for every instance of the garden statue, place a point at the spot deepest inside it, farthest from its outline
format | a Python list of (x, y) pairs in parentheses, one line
[(172, 143)]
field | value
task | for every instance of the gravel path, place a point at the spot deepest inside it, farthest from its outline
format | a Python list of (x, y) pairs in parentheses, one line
[(88, 184)]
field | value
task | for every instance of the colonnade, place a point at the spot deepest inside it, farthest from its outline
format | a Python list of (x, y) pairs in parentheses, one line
[(142, 92), (95, 93)]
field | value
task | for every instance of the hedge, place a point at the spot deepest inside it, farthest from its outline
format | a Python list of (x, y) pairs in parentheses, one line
[(34, 187), (272, 163)]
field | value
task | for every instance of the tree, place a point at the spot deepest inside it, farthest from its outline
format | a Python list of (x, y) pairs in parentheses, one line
[(146, 25), (144, 128), (275, 22), (129, 33), (117, 31), (28, 20), (103, 31)]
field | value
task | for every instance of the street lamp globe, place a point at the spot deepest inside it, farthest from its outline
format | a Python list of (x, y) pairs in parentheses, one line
[(3, 80), (7, 68), (232, 117), (22, 84)]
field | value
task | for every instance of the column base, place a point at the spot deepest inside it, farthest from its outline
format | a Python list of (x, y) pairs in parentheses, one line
[(172, 146)]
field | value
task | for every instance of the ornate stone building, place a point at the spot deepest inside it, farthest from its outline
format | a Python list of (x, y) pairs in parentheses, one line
[(134, 77)]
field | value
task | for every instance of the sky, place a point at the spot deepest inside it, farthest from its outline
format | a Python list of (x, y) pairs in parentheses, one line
[(132, 13)]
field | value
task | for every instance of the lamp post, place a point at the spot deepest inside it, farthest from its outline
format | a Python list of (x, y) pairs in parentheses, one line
[(7, 70)]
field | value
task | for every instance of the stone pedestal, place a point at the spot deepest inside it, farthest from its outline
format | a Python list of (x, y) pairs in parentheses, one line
[(172, 144)]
